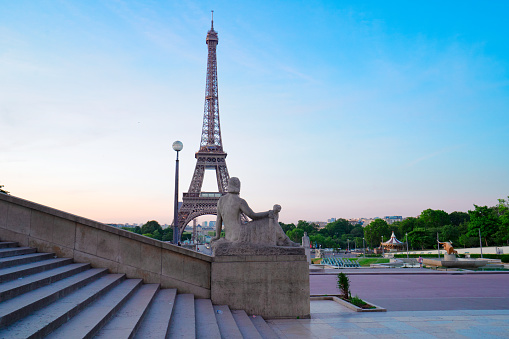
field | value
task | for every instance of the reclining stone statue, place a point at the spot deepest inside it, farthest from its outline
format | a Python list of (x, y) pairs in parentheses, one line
[(262, 233)]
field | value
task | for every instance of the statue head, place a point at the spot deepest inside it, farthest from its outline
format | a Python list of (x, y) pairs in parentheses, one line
[(234, 185)]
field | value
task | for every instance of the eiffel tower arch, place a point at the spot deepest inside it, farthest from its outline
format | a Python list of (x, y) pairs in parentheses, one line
[(210, 155)]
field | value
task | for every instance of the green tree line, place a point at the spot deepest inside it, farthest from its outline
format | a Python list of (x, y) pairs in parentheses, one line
[(461, 228), (153, 230), (337, 234)]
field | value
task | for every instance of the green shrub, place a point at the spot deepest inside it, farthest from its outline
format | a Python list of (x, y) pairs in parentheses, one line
[(344, 285), (357, 301), (505, 258)]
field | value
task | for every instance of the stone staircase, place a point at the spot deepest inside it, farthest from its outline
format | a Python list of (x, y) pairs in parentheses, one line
[(45, 296)]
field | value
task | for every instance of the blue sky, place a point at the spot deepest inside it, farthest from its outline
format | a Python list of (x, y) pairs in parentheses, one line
[(329, 108)]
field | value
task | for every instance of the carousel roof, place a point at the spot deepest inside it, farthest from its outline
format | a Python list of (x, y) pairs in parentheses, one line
[(393, 240)]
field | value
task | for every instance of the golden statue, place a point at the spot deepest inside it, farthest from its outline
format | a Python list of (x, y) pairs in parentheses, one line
[(448, 247)]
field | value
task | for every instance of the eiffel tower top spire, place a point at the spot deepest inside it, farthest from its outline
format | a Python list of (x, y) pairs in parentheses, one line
[(211, 131)]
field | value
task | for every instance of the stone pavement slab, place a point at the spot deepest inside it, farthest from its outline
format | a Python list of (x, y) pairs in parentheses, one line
[(423, 292), (331, 320)]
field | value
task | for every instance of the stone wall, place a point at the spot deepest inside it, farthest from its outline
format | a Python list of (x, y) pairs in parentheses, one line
[(84, 240)]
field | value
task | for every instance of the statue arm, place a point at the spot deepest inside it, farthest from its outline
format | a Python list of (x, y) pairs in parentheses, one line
[(244, 207), (219, 226)]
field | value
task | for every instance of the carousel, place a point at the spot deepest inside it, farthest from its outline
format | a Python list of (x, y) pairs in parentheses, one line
[(393, 244)]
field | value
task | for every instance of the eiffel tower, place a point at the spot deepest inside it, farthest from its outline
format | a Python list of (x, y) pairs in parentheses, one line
[(210, 155)]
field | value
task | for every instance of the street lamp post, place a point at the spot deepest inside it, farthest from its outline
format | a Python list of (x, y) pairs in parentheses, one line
[(382, 244), (438, 246), (364, 246), (480, 241), (406, 235), (177, 146)]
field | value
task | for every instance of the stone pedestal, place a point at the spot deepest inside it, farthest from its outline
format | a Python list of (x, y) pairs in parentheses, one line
[(450, 257), (308, 255), (275, 286)]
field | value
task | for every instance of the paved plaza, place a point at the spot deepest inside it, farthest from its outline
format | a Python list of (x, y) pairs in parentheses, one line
[(422, 304), (423, 289)]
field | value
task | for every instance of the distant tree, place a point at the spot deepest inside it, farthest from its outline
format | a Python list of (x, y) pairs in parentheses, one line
[(150, 227), (317, 239), (467, 241), (407, 225), (307, 227), (358, 242), (357, 231), (450, 233), (485, 219), (502, 235), (286, 227), (339, 227), (2, 190), (456, 218), (323, 231), (167, 234), (434, 218), (296, 235), (186, 236), (374, 232), (419, 238), (157, 235), (137, 230)]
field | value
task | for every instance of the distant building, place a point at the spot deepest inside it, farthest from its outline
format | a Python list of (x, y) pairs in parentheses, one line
[(331, 220), (320, 224), (393, 218), (366, 221), (354, 222)]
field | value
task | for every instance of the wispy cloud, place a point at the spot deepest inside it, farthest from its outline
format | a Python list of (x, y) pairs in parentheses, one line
[(432, 155)]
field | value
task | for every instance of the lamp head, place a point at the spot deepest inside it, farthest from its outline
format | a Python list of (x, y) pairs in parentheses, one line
[(177, 146)]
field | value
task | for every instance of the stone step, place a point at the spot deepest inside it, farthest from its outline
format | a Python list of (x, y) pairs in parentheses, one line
[(227, 325), (206, 323), (182, 322), (27, 303), (11, 289), (245, 325), (24, 259), (157, 320), (11, 252), (44, 321), (20, 271), (127, 320), (8, 244), (263, 328), (155, 324), (89, 321)]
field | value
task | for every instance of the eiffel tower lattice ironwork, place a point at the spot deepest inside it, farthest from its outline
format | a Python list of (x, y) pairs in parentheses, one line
[(210, 155)]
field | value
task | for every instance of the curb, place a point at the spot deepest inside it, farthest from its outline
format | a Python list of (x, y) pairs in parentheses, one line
[(349, 305)]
